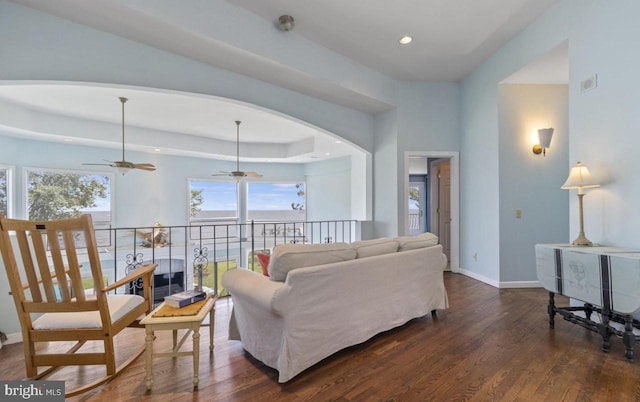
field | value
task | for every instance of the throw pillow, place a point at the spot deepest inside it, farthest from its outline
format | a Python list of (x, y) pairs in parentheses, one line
[(287, 257), (263, 258)]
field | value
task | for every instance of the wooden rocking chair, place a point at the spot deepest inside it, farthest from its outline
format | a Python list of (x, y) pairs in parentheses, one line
[(46, 282)]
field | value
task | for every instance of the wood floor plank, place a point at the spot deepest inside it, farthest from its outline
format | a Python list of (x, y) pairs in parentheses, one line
[(490, 345)]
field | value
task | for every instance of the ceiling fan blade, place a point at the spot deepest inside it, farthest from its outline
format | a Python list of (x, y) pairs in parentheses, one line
[(98, 164), (222, 173), (252, 174), (144, 166)]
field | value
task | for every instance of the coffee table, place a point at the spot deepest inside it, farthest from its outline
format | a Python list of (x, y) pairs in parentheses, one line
[(168, 318)]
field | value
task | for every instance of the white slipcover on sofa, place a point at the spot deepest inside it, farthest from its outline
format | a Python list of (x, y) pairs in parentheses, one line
[(322, 298)]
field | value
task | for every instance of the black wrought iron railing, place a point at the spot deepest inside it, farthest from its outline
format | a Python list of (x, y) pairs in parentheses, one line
[(187, 254)]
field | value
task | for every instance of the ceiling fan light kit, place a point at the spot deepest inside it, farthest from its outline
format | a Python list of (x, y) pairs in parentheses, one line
[(123, 166)]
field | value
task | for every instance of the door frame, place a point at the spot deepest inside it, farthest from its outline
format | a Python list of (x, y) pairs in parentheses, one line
[(454, 157)]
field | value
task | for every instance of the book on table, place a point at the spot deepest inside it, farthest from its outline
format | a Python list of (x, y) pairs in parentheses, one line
[(182, 299)]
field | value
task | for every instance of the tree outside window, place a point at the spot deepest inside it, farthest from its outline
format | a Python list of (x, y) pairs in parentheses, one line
[(61, 195), (4, 199)]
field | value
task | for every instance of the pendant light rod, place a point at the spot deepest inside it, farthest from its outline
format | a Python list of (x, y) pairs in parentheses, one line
[(238, 145), (123, 100)]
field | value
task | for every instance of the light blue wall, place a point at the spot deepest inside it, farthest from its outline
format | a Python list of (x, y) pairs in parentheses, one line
[(385, 173), (329, 190), (604, 122), (528, 182), (142, 198), (602, 37), (480, 148), (428, 120)]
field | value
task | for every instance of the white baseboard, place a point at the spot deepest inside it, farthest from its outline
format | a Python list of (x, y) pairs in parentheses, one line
[(500, 285), (12, 338), (520, 285), (479, 277)]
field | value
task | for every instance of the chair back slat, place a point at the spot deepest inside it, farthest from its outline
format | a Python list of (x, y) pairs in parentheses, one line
[(58, 264), (29, 267), (40, 251), (92, 252), (72, 261)]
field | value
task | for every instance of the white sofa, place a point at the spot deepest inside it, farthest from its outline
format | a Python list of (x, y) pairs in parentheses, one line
[(320, 299)]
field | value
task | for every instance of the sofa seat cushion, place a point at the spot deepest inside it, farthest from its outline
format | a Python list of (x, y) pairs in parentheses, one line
[(369, 248), (286, 257), (420, 241)]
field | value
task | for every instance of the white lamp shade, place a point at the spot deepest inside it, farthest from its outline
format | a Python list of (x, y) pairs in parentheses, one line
[(544, 136), (579, 177)]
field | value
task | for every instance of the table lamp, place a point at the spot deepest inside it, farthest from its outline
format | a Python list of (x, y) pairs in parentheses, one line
[(580, 178)]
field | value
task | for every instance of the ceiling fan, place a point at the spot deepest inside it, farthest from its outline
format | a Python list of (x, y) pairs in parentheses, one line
[(238, 174), (124, 166)]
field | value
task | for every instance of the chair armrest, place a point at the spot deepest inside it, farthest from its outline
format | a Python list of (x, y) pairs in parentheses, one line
[(146, 270)]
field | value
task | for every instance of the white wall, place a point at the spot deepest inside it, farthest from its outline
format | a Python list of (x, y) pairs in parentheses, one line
[(531, 183)]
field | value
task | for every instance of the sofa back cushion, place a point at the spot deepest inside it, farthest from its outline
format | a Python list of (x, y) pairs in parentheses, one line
[(369, 248), (286, 257), (420, 241)]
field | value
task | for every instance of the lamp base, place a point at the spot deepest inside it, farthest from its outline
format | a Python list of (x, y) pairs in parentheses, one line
[(582, 241)]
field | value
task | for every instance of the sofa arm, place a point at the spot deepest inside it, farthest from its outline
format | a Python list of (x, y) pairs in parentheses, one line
[(251, 287)]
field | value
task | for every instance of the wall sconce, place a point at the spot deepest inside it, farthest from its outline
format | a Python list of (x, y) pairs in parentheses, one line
[(544, 138)]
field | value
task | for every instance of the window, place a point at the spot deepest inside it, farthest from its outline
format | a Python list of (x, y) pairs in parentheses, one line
[(5, 191), (55, 194), (276, 202), (212, 201)]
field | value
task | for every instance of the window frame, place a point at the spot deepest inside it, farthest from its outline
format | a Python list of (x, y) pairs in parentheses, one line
[(205, 221), (25, 187), (276, 182), (10, 190)]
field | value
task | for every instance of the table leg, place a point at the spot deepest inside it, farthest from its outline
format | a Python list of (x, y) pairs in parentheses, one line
[(149, 356), (551, 309), (175, 339), (211, 326), (628, 338), (196, 355)]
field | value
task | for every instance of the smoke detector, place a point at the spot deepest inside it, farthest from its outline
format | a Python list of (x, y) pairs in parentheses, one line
[(286, 23)]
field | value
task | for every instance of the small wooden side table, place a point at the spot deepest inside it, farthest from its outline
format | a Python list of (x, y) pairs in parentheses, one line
[(189, 318)]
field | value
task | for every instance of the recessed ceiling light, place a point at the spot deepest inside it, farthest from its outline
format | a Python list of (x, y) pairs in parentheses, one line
[(327, 153), (338, 142), (405, 40), (157, 149)]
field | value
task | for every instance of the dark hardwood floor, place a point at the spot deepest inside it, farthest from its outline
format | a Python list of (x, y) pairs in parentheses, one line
[(490, 345)]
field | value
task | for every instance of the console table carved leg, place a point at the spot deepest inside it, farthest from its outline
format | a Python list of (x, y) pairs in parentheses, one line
[(588, 309), (628, 338), (149, 357), (196, 355), (604, 330), (551, 309)]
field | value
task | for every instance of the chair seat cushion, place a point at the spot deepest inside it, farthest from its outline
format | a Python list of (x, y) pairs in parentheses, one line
[(119, 305)]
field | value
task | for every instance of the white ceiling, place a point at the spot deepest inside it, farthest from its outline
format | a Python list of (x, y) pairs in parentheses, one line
[(451, 38)]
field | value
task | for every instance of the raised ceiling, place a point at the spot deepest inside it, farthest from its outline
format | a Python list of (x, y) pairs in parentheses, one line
[(451, 39)]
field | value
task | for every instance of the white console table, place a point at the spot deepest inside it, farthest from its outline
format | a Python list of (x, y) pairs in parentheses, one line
[(605, 279)]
